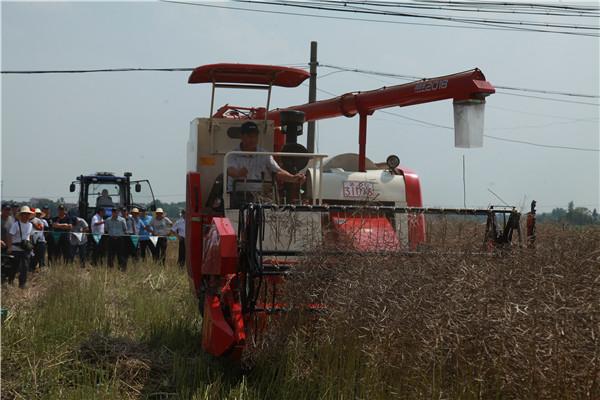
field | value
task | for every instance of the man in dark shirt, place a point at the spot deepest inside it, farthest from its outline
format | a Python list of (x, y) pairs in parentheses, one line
[(62, 223)]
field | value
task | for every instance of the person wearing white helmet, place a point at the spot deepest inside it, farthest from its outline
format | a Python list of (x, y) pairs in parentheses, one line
[(160, 226), (19, 245)]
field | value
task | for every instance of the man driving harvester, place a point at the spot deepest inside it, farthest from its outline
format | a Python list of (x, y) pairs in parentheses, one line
[(253, 167)]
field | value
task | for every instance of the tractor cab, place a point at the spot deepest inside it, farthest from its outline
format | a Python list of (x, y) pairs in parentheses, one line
[(107, 190)]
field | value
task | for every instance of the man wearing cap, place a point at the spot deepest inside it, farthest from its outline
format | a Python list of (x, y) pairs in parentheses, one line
[(254, 167), (116, 228), (40, 225), (178, 229), (160, 226), (63, 223), (19, 245)]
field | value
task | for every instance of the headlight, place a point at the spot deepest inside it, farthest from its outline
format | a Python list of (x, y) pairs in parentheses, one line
[(392, 161)]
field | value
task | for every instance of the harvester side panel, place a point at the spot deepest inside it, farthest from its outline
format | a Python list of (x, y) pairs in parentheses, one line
[(193, 229), (220, 248), (416, 223), (217, 335)]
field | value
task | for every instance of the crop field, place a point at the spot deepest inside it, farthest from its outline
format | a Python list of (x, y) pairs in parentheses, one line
[(439, 325)]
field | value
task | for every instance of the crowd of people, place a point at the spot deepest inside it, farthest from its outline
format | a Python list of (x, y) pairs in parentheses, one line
[(33, 239)]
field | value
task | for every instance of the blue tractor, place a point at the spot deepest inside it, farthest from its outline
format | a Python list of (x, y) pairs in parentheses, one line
[(107, 190)]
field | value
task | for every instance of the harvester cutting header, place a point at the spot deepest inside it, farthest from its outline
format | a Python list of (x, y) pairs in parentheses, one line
[(257, 200)]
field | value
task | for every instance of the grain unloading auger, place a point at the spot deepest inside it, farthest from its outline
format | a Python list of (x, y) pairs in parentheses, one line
[(239, 257)]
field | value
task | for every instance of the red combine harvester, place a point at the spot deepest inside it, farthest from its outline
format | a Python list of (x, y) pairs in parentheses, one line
[(240, 253)]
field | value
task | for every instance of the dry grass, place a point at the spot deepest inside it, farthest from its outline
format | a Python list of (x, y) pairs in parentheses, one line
[(518, 324), (521, 324)]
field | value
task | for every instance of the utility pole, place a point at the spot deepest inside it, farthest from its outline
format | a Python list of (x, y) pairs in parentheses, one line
[(312, 95)]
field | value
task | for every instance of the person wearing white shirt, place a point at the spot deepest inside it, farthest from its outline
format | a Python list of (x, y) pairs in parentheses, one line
[(178, 229), (160, 226), (97, 228), (19, 245), (78, 240), (253, 167)]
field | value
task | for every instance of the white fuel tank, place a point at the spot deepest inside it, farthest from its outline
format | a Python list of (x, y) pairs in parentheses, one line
[(342, 181), (372, 185)]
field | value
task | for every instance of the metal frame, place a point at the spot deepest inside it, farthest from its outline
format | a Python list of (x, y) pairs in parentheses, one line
[(254, 270)]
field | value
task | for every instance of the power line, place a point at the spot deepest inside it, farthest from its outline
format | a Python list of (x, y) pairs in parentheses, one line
[(338, 68), (502, 8), (345, 6), (549, 99), (503, 139), (333, 17), (543, 115), (528, 26), (127, 69), (514, 4), (85, 71), (549, 146)]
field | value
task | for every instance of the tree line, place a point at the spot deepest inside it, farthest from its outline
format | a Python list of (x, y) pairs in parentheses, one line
[(572, 215)]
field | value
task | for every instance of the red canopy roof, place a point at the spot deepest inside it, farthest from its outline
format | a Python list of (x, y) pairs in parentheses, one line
[(249, 73)]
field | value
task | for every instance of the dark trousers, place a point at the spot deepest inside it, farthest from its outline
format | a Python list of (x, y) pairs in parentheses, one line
[(181, 255), (98, 249), (160, 252), (117, 247), (63, 248), (20, 263), (80, 249), (51, 246), (39, 256), (133, 249), (144, 246)]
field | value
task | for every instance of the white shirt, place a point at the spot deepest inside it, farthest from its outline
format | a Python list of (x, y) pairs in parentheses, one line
[(38, 235), (97, 228), (179, 227), (256, 165), (16, 234), (79, 227)]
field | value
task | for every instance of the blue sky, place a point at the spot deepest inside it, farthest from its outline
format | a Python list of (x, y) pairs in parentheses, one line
[(55, 127)]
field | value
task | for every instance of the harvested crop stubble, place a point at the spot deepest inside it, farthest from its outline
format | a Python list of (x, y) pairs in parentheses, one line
[(515, 324)]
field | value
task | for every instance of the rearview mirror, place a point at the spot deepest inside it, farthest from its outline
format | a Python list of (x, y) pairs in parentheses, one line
[(72, 187), (138, 187)]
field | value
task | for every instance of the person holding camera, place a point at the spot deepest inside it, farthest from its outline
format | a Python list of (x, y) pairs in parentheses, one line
[(20, 246)]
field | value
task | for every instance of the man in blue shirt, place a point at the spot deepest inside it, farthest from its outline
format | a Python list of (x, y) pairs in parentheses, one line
[(143, 223)]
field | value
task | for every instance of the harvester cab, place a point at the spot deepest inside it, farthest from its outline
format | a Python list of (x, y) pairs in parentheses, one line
[(107, 190), (241, 251)]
